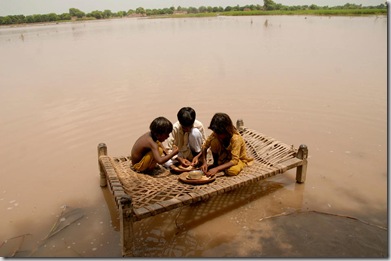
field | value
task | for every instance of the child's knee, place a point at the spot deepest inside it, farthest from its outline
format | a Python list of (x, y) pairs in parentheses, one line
[(233, 171)]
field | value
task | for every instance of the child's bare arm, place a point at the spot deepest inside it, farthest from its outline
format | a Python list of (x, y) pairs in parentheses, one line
[(156, 154)]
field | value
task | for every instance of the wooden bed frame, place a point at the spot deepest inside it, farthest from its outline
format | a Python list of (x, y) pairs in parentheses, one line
[(138, 196)]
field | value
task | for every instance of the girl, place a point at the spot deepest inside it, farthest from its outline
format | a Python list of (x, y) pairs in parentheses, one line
[(227, 146)]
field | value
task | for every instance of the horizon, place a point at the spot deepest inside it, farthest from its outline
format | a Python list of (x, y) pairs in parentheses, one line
[(31, 7)]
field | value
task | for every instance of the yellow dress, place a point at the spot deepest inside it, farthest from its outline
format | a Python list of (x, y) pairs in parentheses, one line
[(235, 153)]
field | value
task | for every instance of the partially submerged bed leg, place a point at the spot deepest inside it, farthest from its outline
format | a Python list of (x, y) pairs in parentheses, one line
[(126, 225), (102, 151), (239, 124), (301, 171)]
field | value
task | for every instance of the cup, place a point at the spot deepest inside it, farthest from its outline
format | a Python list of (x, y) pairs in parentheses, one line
[(195, 174)]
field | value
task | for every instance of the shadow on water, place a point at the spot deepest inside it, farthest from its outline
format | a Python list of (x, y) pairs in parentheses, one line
[(312, 234), (214, 229), (174, 234)]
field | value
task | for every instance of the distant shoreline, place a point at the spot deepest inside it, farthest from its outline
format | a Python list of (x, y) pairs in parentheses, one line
[(330, 13)]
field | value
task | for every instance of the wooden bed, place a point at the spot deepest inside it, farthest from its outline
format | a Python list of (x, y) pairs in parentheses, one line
[(138, 196)]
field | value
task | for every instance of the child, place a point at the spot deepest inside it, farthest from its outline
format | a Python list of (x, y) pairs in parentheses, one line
[(227, 146), (147, 151), (188, 135)]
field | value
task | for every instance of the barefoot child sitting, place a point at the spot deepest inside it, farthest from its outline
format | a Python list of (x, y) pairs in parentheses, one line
[(227, 146), (148, 151)]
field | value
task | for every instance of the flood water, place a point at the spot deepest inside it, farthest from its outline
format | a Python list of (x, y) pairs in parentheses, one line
[(319, 81)]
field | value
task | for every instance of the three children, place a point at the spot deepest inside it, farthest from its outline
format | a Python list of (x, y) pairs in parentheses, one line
[(187, 139)]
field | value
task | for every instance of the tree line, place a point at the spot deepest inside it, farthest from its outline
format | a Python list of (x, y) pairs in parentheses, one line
[(76, 14)]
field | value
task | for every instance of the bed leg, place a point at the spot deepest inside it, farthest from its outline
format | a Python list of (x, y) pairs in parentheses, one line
[(301, 171), (126, 226), (102, 151), (239, 125)]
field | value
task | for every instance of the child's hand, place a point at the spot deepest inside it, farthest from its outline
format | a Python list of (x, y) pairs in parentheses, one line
[(175, 149), (212, 172), (194, 162), (184, 162), (204, 168)]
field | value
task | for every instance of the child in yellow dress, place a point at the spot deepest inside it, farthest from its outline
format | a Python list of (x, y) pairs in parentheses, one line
[(227, 146)]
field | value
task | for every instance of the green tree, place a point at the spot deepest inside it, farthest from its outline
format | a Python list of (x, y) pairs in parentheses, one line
[(202, 9), (140, 10), (269, 5), (107, 14), (65, 16), (52, 17), (121, 13), (5, 20), (96, 14), (76, 12), (192, 10)]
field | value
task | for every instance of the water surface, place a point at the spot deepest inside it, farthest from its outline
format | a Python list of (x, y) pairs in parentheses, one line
[(64, 88)]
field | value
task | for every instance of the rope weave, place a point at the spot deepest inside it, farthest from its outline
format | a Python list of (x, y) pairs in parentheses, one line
[(162, 191)]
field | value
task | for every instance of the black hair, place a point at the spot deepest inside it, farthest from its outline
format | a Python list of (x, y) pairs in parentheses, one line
[(186, 116), (160, 125), (221, 123)]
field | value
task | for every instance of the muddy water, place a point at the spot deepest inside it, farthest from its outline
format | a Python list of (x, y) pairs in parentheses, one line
[(319, 81)]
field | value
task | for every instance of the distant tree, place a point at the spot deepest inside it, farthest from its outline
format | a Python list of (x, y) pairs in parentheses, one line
[(52, 17), (65, 16), (314, 7), (140, 10), (121, 13), (29, 19), (202, 9), (269, 5), (130, 11), (236, 8), (76, 12), (192, 10), (5, 20), (107, 14), (168, 11), (96, 14)]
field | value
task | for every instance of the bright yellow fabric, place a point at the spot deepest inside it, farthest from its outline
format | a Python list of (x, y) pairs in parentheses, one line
[(235, 152), (147, 163)]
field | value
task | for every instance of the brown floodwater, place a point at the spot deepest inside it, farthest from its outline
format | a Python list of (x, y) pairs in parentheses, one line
[(319, 81)]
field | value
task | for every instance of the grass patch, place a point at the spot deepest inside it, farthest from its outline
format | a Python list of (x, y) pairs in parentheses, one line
[(326, 12)]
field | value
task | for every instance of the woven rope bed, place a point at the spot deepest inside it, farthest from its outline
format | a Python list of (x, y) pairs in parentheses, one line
[(139, 196)]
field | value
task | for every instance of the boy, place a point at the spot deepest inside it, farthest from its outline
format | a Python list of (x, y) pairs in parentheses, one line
[(227, 146), (147, 151), (188, 135)]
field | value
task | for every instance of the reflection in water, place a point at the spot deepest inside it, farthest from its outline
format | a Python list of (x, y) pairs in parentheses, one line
[(174, 237), (65, 88)]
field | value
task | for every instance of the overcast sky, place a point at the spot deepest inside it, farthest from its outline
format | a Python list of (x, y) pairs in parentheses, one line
[(29, 7)]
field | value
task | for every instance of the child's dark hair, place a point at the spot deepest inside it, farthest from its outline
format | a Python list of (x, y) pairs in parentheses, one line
[(160, 125), (221, 123), (186, 116)]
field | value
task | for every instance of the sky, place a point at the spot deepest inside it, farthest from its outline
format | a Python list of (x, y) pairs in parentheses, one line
[(29, 7)]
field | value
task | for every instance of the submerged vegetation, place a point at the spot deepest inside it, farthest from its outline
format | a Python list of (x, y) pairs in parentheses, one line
[(269, 8)]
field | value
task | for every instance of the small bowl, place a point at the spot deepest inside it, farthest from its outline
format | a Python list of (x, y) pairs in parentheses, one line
[(195, 174)]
